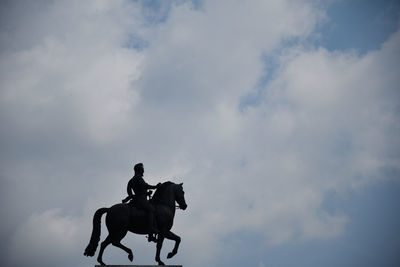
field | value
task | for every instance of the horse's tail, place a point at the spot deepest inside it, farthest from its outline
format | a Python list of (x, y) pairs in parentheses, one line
[(95, 238)]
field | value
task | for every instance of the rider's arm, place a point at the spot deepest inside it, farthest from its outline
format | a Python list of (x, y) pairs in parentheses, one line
[(129, 191), (146, 185), (153, 186)]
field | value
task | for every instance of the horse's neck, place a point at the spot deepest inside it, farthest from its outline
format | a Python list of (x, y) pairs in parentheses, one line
[(167, 197)]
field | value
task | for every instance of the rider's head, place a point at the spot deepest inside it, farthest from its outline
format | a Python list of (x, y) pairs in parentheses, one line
[(139, 169)]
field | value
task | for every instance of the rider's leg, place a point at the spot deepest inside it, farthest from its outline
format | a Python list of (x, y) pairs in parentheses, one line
[(146, 206), (150, 216)]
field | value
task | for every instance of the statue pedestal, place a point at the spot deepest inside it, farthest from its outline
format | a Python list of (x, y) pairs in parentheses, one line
[(139, 265)]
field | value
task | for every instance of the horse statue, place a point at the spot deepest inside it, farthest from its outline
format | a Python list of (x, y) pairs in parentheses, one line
[(122, 218)]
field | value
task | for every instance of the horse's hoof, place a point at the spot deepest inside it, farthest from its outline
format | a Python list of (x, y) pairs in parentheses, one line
[(161, 263), (170, 255), (101, 263), (130, 257)]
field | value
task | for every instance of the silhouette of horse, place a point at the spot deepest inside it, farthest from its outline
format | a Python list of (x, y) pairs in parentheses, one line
[(122, 218)]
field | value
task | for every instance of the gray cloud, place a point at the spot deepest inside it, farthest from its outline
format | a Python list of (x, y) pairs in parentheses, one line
[(78, 108)]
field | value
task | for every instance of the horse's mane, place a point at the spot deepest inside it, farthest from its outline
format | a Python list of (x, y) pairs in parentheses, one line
[(160, 190)]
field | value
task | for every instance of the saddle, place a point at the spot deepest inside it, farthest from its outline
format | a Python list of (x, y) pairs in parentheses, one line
[(138, 203)]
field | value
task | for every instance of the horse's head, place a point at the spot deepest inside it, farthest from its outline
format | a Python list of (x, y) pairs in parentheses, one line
[(168, 193), (180, 196)]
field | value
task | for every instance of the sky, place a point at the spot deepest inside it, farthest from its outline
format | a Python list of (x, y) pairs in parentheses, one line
[(281, 118)]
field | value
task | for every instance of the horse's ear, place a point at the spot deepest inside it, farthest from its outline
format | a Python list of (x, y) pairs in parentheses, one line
[(181, 184)]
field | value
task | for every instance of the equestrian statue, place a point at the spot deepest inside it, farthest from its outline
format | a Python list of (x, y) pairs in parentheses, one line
[(141, 216)]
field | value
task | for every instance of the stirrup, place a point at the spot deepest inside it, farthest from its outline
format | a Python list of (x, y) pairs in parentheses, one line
[(152, 238)]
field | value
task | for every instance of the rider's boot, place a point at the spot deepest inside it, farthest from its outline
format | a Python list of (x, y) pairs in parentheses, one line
[(152, 238)]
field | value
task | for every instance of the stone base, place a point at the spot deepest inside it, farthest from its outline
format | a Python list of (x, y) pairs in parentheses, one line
[(139, 265)]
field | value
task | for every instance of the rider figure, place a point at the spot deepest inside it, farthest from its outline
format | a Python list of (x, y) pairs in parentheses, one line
[(140, 187)]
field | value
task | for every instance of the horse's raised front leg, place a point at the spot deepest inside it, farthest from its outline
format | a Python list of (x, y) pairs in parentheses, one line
[(170, 235), (159, 246)]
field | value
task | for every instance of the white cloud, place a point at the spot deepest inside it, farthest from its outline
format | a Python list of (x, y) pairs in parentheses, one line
[(78, 74)]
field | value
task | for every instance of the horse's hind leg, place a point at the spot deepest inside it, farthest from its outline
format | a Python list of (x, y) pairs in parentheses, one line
[(116, 241), (103, 245), (170, 235)]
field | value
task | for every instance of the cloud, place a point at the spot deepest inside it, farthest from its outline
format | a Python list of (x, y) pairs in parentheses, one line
[(80, 104), (45, 239)]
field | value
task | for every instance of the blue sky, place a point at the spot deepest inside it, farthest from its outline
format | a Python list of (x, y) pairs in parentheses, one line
[(359, 25), (280, 117), (371, 237)]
